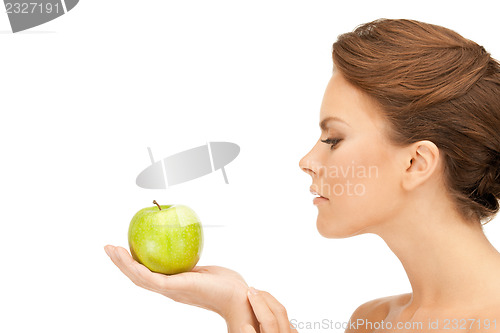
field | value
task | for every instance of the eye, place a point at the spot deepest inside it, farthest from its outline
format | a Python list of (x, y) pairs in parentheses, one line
[(332, 141)]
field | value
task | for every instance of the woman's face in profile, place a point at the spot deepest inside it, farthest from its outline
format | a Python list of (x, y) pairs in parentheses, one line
[(357, 170)]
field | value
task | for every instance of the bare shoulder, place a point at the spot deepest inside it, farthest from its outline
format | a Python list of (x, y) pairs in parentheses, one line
[(375, 311), (486, 320)]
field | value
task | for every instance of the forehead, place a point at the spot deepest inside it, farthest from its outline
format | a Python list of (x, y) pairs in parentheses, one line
[(343, 100)]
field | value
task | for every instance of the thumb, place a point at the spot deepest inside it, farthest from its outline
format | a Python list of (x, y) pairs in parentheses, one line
[(247, 329)]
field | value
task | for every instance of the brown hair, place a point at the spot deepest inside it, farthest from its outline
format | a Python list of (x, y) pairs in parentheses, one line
[(433, 84)]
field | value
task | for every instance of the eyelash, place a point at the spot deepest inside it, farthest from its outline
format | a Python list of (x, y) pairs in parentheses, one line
[(332, 141)]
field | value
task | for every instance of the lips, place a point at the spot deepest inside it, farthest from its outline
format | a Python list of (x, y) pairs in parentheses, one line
[(313, 192)]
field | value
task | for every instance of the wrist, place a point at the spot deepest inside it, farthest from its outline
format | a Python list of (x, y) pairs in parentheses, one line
[(239, 316)]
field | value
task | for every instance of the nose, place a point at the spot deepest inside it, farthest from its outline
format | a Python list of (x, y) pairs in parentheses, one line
[(307, 170), (309, 165)]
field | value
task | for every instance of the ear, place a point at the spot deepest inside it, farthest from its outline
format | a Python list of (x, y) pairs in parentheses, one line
[(421, 162)]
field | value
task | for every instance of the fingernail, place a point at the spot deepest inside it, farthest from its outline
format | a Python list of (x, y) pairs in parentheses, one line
[(253, 291)]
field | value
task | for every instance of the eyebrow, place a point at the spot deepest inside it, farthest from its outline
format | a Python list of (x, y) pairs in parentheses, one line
[(323, 124)]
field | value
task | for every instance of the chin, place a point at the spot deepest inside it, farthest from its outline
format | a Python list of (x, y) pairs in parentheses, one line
[(332, 228), (328, 228)]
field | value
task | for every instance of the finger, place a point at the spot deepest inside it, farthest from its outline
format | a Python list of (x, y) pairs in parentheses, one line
[(137, 273), (247, 329), (265, 316), (279, 311), (131, 272)]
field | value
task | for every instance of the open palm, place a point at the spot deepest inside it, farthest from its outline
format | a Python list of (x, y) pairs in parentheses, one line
[(214, 288)]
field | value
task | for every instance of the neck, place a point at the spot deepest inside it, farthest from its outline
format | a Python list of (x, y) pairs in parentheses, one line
[(448, 260)]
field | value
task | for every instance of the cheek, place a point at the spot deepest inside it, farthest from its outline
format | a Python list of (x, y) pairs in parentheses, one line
[(362, 192)]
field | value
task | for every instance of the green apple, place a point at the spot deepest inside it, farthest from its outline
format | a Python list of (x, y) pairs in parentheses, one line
[(166, 239)]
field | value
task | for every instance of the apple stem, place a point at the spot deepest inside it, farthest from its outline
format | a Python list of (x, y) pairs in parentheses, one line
[(154, 201)]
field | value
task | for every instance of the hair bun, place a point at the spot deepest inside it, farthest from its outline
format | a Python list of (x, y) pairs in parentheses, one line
[(495, 170), (488, 190)]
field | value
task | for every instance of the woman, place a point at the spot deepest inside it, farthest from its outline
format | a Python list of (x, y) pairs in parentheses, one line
[(409, 150)]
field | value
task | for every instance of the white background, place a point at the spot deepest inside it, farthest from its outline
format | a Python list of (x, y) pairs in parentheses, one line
[(83, 96)]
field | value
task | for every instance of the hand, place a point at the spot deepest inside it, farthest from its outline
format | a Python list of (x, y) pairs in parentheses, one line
[(270, 313), (210, 287)]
